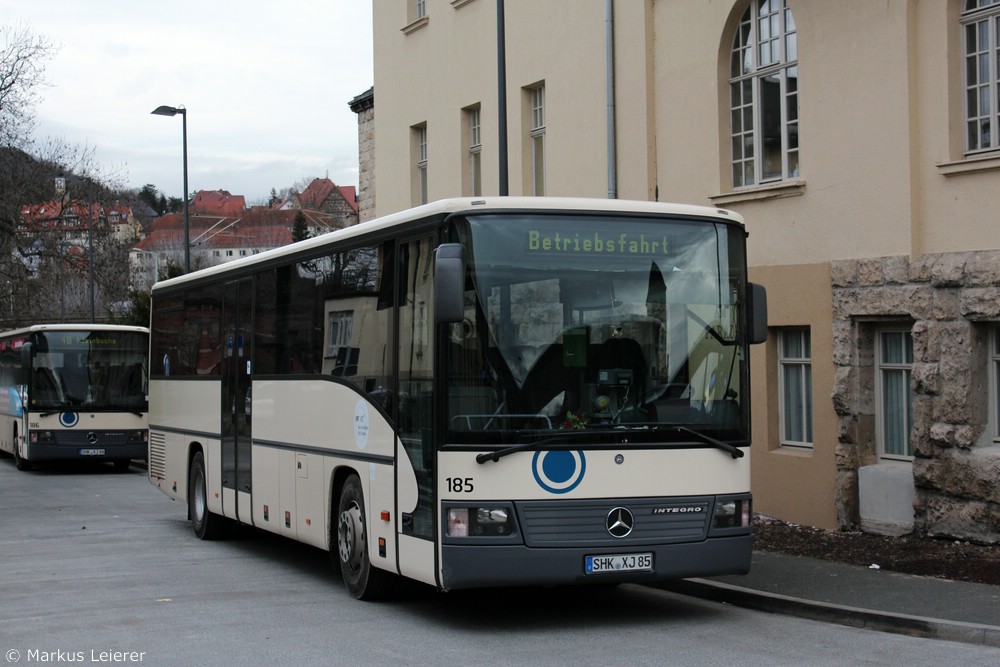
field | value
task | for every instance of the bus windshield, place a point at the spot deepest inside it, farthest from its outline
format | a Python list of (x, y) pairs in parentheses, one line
[(594, 325), (93, 370)]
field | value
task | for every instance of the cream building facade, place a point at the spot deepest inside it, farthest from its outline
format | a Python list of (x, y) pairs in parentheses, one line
[(859, 140)]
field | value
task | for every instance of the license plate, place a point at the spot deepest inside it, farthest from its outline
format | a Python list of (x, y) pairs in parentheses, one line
[(91, 452), (618, 563)]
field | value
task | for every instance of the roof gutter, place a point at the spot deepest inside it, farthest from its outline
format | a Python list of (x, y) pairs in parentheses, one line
[(609, 66)]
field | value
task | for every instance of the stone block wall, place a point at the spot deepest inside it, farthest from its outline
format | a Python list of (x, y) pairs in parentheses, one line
[(951, 303), (364, 106)]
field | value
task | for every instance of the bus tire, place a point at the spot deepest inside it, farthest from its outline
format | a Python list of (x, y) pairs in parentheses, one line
[(349, 546), (19, 461), (121, 465), (207, 526)]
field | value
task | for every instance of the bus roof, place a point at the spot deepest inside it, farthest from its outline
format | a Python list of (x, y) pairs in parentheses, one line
[(444, 207), (81, 326)]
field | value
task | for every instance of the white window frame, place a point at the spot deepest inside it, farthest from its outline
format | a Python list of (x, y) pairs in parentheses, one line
[(884, 368), (765, 49), (420, 138), (475, 149), (340, 324), (980, 25), (801, 365), (537, 139)]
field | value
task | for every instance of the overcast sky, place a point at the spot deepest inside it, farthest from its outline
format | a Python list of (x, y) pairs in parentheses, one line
[(266, 85)]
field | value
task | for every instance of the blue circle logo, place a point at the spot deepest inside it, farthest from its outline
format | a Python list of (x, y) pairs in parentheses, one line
[(69, 419), (558, 471)]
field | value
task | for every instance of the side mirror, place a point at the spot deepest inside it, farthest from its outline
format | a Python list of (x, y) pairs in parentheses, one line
[(756, 313), (449, 283)]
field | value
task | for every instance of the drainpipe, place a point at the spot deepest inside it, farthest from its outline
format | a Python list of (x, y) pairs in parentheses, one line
[(502, 96), (609, 66)]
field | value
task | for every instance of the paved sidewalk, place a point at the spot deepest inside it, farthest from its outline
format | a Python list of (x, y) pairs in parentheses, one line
[(857, 596)]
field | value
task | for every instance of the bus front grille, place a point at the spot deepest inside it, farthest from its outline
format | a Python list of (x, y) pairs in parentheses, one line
[(585, 522)]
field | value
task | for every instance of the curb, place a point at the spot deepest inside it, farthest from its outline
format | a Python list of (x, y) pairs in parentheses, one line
[(869, 619)]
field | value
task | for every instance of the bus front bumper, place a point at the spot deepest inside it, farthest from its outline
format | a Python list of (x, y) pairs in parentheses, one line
[(482, 566), (96, 447)]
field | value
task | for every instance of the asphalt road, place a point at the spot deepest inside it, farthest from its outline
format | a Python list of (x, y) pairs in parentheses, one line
[(99, 567)]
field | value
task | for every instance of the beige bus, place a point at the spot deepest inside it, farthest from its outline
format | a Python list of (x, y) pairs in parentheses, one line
[(472, 393)]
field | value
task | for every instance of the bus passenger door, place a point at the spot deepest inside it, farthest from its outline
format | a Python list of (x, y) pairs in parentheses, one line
[(236, 399), (414, 423)]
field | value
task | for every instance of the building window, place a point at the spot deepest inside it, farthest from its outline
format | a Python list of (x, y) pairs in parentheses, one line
[(894, 394), (420, 164), (795, 387), (981, 36), (339, 324), (763, 95), (537, 138), (416, 10), (473, 146)]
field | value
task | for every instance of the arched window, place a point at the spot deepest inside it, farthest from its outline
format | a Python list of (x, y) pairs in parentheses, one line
[(763, 95), (981, 42)]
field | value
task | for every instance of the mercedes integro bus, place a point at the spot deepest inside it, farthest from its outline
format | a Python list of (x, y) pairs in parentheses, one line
[(74, 392), (473, 393)]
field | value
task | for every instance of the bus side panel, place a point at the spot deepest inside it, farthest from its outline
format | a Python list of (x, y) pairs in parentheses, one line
[(310, 498), (309, 430), (8, 424), (273, 489), (179, 419), (11, 417), (319, 414), (416, 559), (381, 497), (186, 405)]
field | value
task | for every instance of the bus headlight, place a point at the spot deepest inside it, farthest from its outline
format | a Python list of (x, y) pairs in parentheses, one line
[(138, 436), (481, 521), (43, 436), (732, 513)]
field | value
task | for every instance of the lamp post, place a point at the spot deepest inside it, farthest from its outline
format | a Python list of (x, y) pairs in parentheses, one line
[(173, 111)]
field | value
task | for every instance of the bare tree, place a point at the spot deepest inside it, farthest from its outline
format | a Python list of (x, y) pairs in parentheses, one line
[(22, 68), (46, 274)]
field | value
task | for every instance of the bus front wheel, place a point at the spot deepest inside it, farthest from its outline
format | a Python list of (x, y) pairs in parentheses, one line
[(363, 581), (19, 461), (207, 526)]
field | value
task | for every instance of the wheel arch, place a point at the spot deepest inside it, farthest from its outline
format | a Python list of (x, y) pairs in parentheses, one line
[(193, 448), (337, 480)]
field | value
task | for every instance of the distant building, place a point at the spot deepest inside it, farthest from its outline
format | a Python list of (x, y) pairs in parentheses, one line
[(217, 238), (325, 196), (216, 202)]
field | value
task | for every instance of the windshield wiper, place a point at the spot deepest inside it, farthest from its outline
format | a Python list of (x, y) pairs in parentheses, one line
[(725, 446), (524, 446), (711, 331)]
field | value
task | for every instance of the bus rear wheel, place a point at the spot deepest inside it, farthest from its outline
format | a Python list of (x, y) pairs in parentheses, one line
[(362, 580), (207, 526)]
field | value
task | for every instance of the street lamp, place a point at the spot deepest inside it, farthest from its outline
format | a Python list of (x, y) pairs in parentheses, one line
[(173, 111)]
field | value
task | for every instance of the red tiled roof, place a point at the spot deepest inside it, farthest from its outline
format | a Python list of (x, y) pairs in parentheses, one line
[(350, 195), (53, 214), (217, 202), (258, 227), (316, 193)]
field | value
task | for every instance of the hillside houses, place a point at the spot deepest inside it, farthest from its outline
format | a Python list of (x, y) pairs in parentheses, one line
[(222, 228)]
